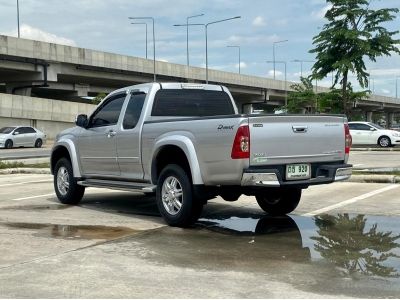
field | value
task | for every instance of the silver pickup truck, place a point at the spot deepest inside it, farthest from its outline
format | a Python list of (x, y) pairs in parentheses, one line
[(187, 143)]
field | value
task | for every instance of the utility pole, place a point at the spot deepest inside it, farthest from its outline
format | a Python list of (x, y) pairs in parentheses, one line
[(19, 34)]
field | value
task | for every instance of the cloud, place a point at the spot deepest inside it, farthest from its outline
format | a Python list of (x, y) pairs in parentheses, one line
[(32, 33), (320, 14), (385, 91), (277, 73), (242, 65), (254, 39), (259, 21), (385, 72)]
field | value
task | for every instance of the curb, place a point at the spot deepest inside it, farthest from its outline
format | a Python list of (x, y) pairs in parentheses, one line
[(25, 171), (376, 149), (374, 178)]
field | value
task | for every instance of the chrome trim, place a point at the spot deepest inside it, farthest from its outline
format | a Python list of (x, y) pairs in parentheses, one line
[(343, 174), (260, 179), (297, 156), (97, 157)]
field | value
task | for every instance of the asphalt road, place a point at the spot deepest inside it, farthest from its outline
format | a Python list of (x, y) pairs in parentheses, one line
[(24, 153), (115, 245)]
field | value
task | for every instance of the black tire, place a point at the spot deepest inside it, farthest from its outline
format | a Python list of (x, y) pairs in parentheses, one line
[(190, 208), (279, 201), (74, 193), (230, 196), (384, 141), (9, 144), (38, 143)]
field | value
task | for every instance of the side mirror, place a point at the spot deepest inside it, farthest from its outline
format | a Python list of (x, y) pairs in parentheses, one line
[(82, 121), (15, 133), (372, 129)]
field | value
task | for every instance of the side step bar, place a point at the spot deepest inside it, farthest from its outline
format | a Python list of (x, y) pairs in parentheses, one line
[(119, 185)]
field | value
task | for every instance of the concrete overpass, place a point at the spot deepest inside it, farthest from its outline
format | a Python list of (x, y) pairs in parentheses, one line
[(47, 70)]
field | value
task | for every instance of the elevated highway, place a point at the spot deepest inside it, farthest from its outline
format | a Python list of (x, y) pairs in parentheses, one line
[(47, 70)]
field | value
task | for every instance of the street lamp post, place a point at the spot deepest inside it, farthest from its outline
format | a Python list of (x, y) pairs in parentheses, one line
[(143, 23), (187, 38), (284, 63), (371, 83), (19, 35), (187, 25), (208, 24), (301, 64), (273, 52), (238, 47), (154, 43), (206, 34)]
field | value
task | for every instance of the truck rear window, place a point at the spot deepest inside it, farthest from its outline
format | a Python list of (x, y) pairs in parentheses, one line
[(191, 103)]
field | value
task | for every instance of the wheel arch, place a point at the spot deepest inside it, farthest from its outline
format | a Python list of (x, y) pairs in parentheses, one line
[(178, 151), (65, 149)]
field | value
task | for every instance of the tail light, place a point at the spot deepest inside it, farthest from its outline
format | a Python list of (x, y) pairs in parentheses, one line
[(348, 139), (241, 144)]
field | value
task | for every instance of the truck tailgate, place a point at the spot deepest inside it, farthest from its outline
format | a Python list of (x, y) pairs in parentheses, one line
[(283, 139)]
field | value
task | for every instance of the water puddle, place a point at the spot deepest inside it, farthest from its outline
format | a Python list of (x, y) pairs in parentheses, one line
[(80, 232), (357, 245)]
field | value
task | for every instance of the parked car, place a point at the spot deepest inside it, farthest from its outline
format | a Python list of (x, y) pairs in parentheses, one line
[(187, 143), (21, 136), (366, 133)]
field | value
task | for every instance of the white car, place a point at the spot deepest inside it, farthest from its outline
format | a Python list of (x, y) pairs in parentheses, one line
[(366, 133), (21, 136)]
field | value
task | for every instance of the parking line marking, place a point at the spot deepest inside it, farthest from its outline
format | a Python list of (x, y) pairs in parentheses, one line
[(352, 200), (32, 197), (33, 181)]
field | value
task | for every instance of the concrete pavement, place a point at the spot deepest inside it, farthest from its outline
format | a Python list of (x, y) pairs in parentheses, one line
[(115, 245), (374, 159)]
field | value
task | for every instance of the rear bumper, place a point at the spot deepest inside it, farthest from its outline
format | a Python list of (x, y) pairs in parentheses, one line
[(273, 177)]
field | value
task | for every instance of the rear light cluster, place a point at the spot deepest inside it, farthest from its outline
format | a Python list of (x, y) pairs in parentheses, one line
[(348, 139), (241, 144)]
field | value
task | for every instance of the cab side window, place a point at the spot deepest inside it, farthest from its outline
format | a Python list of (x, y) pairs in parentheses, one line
[(353, 126), (363, 127), (29, 130), (109, 112), (133, 110), (20, 130)]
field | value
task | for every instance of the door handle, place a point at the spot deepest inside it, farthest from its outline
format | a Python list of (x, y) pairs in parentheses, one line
[(299, 129), (111, 133)]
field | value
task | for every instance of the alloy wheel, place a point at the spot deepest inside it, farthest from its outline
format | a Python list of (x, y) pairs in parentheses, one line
[(172, 195)]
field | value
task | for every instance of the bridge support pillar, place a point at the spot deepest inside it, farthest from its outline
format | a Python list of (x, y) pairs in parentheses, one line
[(368, 116), (81, 89), (20, 88), (389, 119)]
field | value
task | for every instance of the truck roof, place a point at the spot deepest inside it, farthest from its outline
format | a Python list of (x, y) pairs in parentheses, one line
[(174, 85)]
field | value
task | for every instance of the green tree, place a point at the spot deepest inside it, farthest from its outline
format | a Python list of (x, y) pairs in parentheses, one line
[(332, 101), (354, 32), (303, 99), (96, 100)]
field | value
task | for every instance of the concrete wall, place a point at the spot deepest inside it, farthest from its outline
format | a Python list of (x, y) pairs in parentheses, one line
[(50, 116)]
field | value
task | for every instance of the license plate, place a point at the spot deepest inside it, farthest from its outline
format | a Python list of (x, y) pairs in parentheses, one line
[(298, 171)]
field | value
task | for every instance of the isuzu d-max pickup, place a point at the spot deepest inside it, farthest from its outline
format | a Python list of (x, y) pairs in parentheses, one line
[(187, 143)]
